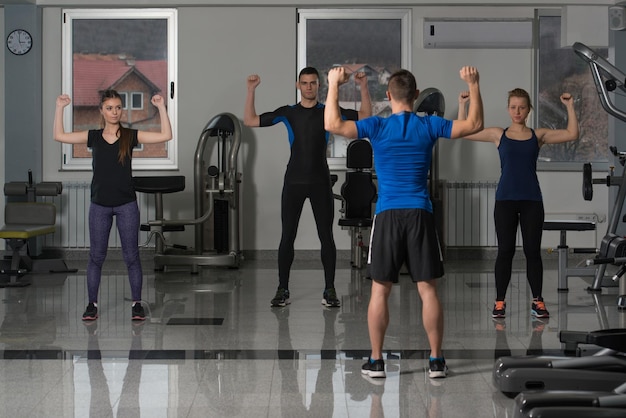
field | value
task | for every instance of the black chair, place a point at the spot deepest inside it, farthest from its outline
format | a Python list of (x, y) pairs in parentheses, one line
[(358, 193)]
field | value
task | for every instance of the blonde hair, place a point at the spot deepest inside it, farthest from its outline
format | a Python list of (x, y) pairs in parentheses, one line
[(517, 92)]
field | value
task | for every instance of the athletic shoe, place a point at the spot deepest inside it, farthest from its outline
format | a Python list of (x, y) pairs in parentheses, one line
[(437, 368), (374, 368), (281, 298), (499, 309), (138, 313), (538, 309), (91, 312), (330, 298)]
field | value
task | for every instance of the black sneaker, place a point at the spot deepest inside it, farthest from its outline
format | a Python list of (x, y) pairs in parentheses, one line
[(330, 298), (138, 313), (91, 312), (281, 298), (437, 368), (538, 309), (374, 368)]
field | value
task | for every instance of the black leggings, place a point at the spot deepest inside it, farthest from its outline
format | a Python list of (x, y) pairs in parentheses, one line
[(530, 215), (323, 205)]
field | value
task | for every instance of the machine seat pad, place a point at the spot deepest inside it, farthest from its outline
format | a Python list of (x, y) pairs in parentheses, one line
[(24, 220), (159, 184), (355, 222), (571, 225), (25, 231)]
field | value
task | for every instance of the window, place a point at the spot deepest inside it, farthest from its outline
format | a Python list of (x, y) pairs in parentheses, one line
[(376, 42), (136, 101), (129, 50), (560, 70)]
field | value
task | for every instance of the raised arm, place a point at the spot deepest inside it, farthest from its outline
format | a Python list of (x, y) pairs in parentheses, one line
[(250, 118), (145, 137), (474, 121), (366, 102), (332, 115), (59, 131), (487, 134), (556, 136), (463, 99)]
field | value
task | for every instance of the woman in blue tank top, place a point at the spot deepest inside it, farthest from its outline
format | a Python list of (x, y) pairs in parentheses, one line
[(518, 196)]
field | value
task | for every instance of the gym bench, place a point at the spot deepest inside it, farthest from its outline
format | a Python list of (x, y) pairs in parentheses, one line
[(24, 220), (564, 270)]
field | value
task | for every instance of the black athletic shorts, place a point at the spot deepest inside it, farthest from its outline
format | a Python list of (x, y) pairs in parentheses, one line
[(401, 236)]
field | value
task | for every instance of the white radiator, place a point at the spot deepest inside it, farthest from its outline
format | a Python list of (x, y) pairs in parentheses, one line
[(468, 214), (73, 217)]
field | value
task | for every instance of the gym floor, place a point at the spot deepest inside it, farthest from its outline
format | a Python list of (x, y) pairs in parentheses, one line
[(212, 346)]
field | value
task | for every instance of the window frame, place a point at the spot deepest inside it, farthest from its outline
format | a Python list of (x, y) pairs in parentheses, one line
[(404, 15), (170, 162), (134, 94), (553, 165)]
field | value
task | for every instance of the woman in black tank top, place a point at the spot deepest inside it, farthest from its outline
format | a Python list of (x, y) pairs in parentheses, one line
[(518, 197)]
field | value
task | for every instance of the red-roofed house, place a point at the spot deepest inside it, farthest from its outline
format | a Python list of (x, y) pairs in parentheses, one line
[(136, 81)]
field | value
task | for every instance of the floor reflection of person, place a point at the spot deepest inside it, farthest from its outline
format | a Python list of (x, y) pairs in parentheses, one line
[(100, 402), (322, 403), (535, 345)]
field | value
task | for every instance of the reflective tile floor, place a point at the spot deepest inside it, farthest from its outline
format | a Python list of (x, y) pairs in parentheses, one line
[(213, 347)]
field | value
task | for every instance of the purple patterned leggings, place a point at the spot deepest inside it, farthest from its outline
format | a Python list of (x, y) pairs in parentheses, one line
[(100, 222)]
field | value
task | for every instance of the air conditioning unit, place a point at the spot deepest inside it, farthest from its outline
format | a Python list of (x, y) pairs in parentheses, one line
[(478, 33)]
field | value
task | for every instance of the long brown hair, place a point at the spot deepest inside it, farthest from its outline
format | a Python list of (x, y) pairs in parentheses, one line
[(124, 134)]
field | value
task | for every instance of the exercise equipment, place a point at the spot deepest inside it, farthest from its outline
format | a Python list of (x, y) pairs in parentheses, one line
[(593, 402), (564, 270), (607, 78), (430, 101), (25, 222), (358, 194), (216, 198), (603, 371)]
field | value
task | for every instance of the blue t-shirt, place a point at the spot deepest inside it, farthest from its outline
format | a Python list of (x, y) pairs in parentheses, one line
[(518, 164), (403, 148)]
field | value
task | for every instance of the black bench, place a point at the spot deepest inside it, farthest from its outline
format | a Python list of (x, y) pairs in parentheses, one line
[(564, 271)]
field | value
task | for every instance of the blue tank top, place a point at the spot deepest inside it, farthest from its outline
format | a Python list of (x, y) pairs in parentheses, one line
[(518, 164)]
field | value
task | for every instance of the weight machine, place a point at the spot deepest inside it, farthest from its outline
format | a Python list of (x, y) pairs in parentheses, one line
[(607, 78), (216, 197)]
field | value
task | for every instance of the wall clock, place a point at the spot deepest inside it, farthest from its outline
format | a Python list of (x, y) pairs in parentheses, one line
[(19, 42)]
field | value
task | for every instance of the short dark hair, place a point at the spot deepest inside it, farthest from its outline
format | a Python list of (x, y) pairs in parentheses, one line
[(309, 70), (402, 86)]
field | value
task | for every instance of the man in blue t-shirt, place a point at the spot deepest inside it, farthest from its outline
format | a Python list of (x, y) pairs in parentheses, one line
[(307, 174), (403, 230)]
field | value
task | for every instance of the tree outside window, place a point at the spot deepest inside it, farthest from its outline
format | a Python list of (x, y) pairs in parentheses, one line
[(561, 70)]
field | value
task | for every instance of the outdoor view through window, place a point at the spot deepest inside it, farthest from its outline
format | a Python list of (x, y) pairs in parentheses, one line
[(561, 70)]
